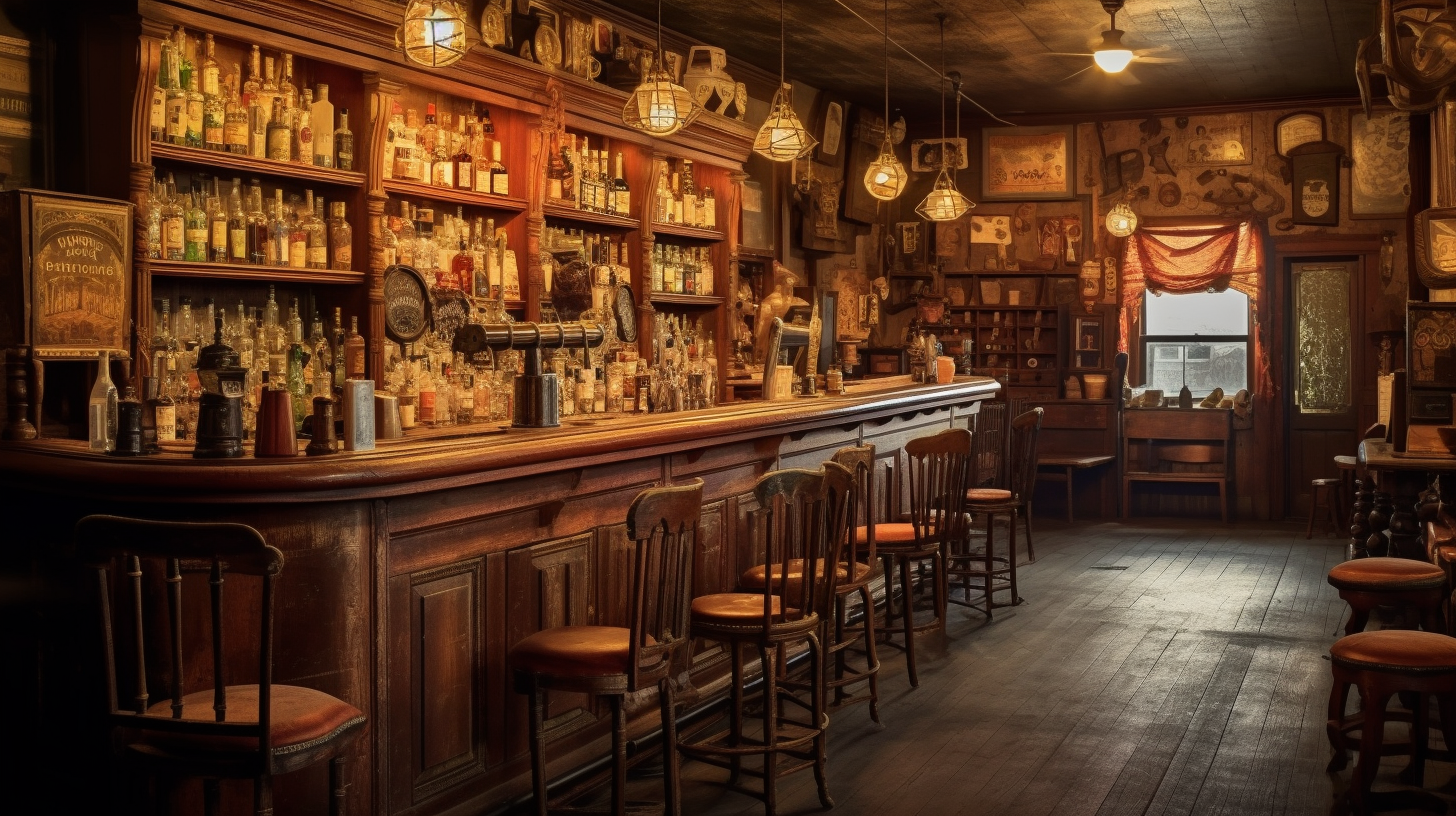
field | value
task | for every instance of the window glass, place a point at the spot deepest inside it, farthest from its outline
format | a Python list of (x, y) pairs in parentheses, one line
[(1201, 339), (1223, 313)]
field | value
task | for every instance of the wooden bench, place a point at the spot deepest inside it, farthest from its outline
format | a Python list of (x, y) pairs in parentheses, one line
[(1180, 445), (1066, 466)]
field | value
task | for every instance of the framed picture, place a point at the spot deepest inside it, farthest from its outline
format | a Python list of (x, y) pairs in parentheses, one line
[(80, 273), (1380, 183), (1296, 129), (1316, 183), (925, 155), (1216, 141), (1435, 246), (1028, 163), (1432, 348)]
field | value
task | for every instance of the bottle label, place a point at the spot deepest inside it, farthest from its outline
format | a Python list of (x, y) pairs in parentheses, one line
[(343, 257), (176, 119), (159, 112), (318, 256), (624, 202), (172, 234), (209, 80), (166, 423), (219, 235), (482, 180), (298, 254), (278, 147), (500, 183), (444, 174), (346, 157), (235, 132), (238, 245), (197, 237), (427, 406), (463, 175), (354, 360)]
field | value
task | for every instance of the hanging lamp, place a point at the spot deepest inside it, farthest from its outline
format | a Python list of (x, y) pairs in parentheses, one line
[(945, 202), (433, 33), (1112, 56), (783, 137), (659, 106), (885, 177)]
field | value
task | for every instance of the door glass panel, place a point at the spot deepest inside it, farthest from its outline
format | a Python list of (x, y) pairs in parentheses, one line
[(1322, 338)]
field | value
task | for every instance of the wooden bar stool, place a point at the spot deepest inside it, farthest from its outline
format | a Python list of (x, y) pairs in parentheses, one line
[(1380, 665), (1332, 491), (997, 573), (938, 469), (805, 515), (246, 731), (614, 661), (1366, 583)]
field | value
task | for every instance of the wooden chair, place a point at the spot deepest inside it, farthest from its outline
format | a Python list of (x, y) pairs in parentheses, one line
[(615, 661), (1380, 665), (993, 572), (805, 515), (856, 579), (938, 469), (228, 730), (1331, 490)]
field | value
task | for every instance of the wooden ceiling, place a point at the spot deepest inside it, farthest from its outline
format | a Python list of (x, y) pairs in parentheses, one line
[(1226, 50)]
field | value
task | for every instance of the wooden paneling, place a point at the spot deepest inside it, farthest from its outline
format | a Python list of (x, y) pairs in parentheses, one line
[(444, 679)]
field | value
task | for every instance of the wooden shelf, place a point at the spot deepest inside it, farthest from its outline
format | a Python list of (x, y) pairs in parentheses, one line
[(700, 301), (466, 197), (194, 269), (684, 231), (1013, 273), (584, 217), (757, 253), (248, 164)]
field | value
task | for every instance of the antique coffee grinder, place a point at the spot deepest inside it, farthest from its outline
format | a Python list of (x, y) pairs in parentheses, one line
[(220, 410)]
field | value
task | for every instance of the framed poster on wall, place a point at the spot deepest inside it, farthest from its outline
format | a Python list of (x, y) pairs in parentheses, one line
[(1316, 183), (1028, 163)]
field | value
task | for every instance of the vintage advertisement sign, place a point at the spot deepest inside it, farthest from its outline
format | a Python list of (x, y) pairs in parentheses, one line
[(80, 275)]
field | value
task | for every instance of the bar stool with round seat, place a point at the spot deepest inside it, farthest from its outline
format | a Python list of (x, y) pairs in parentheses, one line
[(614, 661), (1333, 495), (938, 467), (1382, 664), (243, 731), (805, 516), (1366, 583)]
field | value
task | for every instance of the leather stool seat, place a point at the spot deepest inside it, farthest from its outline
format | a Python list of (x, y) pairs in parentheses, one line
[(300, 716), (579, 651), (1397, 650), (754, 577), (988, 494), (1386, 574), (732, 608)]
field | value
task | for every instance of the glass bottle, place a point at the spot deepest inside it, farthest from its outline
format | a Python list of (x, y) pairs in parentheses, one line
[(708, 207), (463, 264), (296, 359), (389, 242), (214, 120), (196, 109), (354, 351), (301, 128), (322, 118), (254, 84), (286, 89), (689, 195), (258, 121), (279, 231), (217, 227), (442, 172), (341, 239), (427, 136), (500, 178), (158, 114), (407, 238), (297, 235), (425, 402), (211, 70), (237, 225), (163, 410), (154, 221), (235, 118), (315, 232), (280, 140), (321, 379), (257, 227), (194, 231), (101, 414), (344, 143), (272, 328), (176, 99), (622, 197), (463, 170)]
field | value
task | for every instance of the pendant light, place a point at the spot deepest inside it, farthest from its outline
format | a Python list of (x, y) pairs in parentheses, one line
[(885, 178), (659, 106), (783, 137), (945, 202), (433, 33), (1112, 56)]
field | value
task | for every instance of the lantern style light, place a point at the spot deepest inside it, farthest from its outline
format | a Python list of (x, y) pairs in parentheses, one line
[(659, 106), (433, 33), (783, 137), (945, 202), (1112, 56), (1121, 220), (885, 177)]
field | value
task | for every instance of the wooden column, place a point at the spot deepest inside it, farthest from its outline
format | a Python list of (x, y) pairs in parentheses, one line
[(149, 59), (381, 92)]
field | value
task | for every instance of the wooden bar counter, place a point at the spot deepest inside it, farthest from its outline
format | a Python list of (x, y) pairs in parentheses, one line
[(411, 570)]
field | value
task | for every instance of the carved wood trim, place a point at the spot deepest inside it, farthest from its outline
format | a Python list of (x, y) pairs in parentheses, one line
[(381, 92)]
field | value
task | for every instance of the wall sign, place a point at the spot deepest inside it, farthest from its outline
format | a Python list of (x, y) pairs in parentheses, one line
[(1316, 183), (405, 303)]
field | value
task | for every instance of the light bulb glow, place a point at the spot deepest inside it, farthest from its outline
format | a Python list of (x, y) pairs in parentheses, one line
[(945, 202), (885, 177), (783, 137), (1112, 56), (659, 106), (1121, 220), (433, 33)]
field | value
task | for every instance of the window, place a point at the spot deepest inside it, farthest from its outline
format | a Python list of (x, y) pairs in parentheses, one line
[(1201, 339)]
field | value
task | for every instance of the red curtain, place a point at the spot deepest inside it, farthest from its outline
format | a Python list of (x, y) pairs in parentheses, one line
[(1182, 259)]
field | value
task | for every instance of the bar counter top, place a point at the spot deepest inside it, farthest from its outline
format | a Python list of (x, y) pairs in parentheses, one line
[(449, 457)]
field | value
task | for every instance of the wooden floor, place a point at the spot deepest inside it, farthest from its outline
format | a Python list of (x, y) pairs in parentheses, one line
[(1155, 668)]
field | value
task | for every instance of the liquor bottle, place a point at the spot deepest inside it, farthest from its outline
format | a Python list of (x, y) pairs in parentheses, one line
[(211, 70), (254, 85), (297, 235), (425, 141), (217, 227), (406, 147), (582, 186), (463, 164), (336, 348), (321, 379), (286, 89), (154, 221), (186, 327), (158, 116), (162, 409), (194, 231), (102, 409), (426, 254), (162, 344), (341, 239), (709, 209), (195, 109), (463, 264), (296, 359), (679, 205), (181, 47), (344, 143), (237, 226), (316, 233), (689, 195), (500, 178), (425, 402), (661, 200), (442, 168), (257, 128), (659, 269), (568, 173), (302, 129), (279, 232), (322, 116), (389, 242), (176, 102), (214, 121), (269, 93), (622, 197), (606, 190), (257, 227), (280, 141), (354, 351), (407, 238), (235, 118), (556, 175)]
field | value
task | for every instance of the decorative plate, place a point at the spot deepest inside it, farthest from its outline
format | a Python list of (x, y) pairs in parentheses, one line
[(406, 304)]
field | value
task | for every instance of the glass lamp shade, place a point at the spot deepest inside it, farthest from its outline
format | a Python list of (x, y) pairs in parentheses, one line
[(660, 106), (1121, 220), (885, 178), (945, 202), (783, 137), (1112, 56), (433, 33)]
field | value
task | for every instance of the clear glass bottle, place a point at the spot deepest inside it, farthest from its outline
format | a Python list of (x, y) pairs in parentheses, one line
[(237, 225), (341, 239), (279, 231), (196, 108), (708, 207), (214, 120), (280, 139), (354, 348), (463, 171), (425, 402), (322, 119), (194, 230), (316, 233), (154, 221), (344, 143), (158, 114), (211, 69), (217, 226), (428, 135), (257, 226), (301, 128), (163, 410), (321, 379), (235, 118), (101, 413), (254, 84), (176, 99), (296, 359), (389, 242), (297, 235), (287, 90), (500, 178)]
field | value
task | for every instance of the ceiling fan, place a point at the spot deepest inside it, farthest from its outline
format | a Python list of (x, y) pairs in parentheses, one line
[(1111, 55)]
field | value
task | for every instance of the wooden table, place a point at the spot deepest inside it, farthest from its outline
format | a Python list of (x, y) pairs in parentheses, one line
[(1402, 478), (1068, 466)]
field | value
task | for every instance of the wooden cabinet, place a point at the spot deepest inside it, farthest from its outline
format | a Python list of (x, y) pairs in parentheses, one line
[(1178, 445), (1021, 345)]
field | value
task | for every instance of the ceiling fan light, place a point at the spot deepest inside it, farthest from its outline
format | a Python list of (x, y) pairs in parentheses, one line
[(433, 33), (659, 106), (1112, 56), (945, 202), (885, 177), (783, 137)]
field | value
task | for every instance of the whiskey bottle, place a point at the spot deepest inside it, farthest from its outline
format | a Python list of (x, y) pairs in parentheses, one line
[(176, 103), (254, 85), (689, 195), (237, 226), (196, 109), (462, 266), (257, 129), (425, 140), (235, 118), (442, 168), (354, 351), (211, 70), (606, 190), (257, 227), (158, 117), (162, 409), (286, 89), (280, 141), (556, 175), (407, 237), (622, 193), (463, 169), (268, 94), (101, 412), (322, 120), (301, 128), (296, 359), (341, 239), (214, 119), (217, 227), (500, 178), (320, 379), (154, 221), (336, 349), (297, 235), (708, 207), (194, 231), (389, 242), (582, 187), (315, 231), (279, 231), (344, 143), (425, 401)]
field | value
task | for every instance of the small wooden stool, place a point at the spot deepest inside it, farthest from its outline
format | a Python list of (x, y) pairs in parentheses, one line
[(1349, 468), (1366, 583), (1382, 664), (1333, 492)]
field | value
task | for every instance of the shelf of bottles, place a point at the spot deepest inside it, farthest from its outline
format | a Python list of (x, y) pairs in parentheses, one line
[(453, 252), (1018, 338), (586, 183), (453, 153), (682, 274), (682, 206)]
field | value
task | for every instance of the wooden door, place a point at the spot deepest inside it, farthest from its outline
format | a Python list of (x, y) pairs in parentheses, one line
[(1322, 327)]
